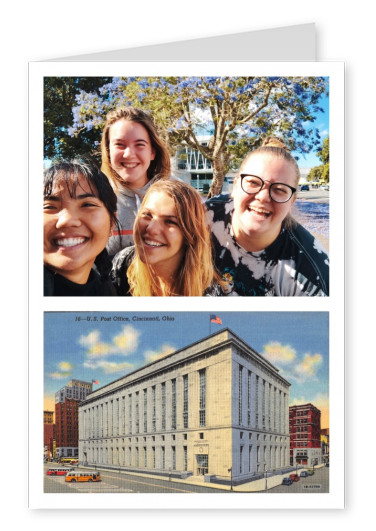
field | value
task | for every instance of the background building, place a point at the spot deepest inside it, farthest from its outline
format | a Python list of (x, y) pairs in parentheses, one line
[(214, 408), (48, 434), (325, 444), (74, 390), (189, 165), (66, 416), (305, 435)]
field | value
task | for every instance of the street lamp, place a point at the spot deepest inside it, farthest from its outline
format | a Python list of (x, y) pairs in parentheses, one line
[(230, 470), (266, 478)]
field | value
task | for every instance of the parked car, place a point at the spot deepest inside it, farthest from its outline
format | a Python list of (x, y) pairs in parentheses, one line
[(287, 481), (304, 474), (310, 471), (304, 188), (294, 477)]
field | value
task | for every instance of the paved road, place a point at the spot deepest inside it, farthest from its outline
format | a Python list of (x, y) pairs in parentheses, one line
[(316, 196), (113, 482), (318, 483)]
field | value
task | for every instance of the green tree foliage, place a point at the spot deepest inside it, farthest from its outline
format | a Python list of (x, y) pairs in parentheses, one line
[(237, 112), (59, 98), (321, 173)]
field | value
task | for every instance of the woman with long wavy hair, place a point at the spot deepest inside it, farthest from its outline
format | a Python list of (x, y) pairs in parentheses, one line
[(172, 255)]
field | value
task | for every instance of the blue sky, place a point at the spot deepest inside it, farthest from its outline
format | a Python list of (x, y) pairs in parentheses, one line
[(105, 348), (310, 160)]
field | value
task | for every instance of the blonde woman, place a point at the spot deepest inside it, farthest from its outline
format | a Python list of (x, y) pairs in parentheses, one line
[(134, 156), (172, 255), (260, 249)]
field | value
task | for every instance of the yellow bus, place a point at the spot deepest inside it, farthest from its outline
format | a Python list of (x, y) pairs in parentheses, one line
[(74, 476), (69, 460)]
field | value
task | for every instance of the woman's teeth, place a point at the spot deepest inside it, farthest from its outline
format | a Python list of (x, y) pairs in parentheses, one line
[(69, 242), (260, 211), (153, 244)]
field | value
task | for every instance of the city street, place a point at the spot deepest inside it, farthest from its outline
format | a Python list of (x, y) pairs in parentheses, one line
[(113, 482), (319, 483), (315, 194)]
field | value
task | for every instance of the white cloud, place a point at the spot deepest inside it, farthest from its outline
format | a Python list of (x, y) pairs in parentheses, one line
[(153, 355), (66, 366), (307, 368), (122, 344), (279, 354), (65, 369), (108, 367), (90, 339), (58, 375)]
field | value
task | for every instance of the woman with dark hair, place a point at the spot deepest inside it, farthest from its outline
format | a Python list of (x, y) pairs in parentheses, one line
[(172, 255), (134, 157), (79, 209), (259, 248)]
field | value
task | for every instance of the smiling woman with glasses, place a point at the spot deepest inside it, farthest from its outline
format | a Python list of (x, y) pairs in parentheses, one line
[(278, 192), (259, 248)]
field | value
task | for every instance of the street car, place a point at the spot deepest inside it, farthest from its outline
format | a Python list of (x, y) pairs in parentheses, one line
[(57, 471)]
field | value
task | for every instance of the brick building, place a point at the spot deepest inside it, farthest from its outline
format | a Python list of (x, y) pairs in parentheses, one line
[(48, 434), (67, 400), (305, 435)]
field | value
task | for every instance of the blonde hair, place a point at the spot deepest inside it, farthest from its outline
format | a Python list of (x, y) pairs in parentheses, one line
[(275, 147), (159, 168), (196, 272)]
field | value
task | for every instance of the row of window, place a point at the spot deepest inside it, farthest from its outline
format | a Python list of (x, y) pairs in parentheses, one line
[(273, 400), (110, 418), (259, 458), (272, 457), (138, 456)]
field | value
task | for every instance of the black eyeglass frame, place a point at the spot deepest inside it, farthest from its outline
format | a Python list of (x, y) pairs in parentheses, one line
[(242, 175)]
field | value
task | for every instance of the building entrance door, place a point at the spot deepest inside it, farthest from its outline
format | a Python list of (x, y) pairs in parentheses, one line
[(202, 461)]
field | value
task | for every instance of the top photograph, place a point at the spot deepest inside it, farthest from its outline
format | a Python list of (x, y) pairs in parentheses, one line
[(186, 186)]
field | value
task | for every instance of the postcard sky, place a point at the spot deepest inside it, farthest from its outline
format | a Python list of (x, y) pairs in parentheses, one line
[(297, 343)]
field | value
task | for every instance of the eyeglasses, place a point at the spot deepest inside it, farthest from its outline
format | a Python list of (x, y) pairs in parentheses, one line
[(278, 192)]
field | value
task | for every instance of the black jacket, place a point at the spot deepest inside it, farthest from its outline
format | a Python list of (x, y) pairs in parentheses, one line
[(96, 286)]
